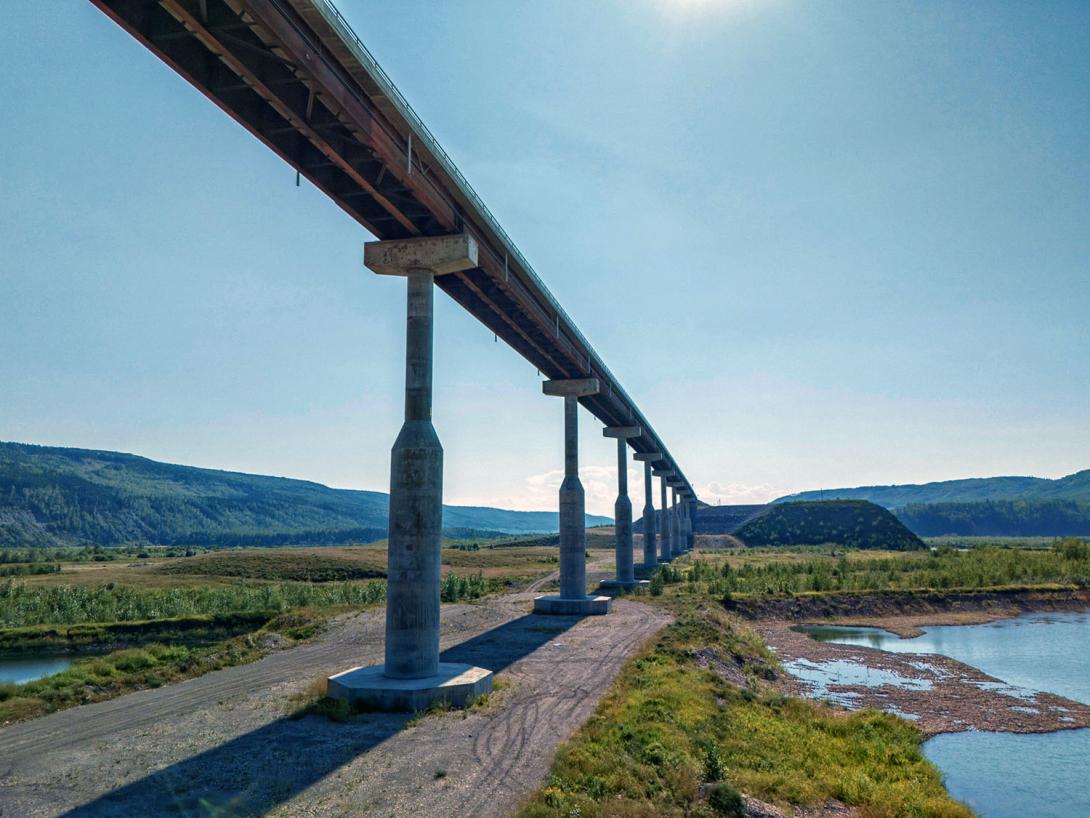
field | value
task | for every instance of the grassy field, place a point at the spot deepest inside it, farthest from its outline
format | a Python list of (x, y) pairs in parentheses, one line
[(766, 571), (690, 721), (673, 737), (157, 619), (953, 541), (514, 562), (696, 718)]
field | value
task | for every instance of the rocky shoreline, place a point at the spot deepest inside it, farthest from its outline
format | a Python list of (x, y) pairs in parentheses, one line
[(940, 694)]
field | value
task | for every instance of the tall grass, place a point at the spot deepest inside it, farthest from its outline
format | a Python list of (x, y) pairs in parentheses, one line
[(23, 604), (1068, 562), (671, 734)]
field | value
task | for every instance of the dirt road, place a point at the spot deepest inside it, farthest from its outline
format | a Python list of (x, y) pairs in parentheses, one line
[(222, 744)]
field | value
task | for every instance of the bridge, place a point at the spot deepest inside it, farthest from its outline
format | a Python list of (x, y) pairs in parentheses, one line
[(295, 75)]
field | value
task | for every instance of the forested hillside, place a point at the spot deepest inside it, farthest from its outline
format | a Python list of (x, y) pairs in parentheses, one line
[(986, 506), (1073, 487), (1003, 518), (58, 496)]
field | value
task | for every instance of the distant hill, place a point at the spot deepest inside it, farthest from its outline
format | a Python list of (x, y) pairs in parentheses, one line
[(980, 506), (60, 496), (852, 523), (1073, 487), (999, 518)]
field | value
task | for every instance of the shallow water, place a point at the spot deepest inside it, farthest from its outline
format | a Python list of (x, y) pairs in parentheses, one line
[(819, 676), (1040, 651), (1007, 775), (21, 669)]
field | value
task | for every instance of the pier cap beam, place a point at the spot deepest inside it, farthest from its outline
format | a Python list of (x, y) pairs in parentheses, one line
[(647, 457), (571, 388), (622, 432), (436, 254)]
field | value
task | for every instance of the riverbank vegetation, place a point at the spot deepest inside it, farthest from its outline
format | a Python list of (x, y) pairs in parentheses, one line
[(1066, 563), (694, 719), (699, 716), (105, 676)]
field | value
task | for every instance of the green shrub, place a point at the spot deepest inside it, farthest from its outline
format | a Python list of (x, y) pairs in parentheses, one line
[(658, 584), (713, 764), (727, 801)]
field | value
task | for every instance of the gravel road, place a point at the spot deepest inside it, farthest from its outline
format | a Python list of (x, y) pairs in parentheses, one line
[(222, 744)]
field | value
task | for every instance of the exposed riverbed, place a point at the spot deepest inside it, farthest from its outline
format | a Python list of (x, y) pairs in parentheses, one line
[(980, 685)]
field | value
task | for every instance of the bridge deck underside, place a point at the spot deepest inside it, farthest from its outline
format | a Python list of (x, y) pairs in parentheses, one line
[(281, 70)]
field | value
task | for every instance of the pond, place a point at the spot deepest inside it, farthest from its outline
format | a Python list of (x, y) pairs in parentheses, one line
[(26, 668)]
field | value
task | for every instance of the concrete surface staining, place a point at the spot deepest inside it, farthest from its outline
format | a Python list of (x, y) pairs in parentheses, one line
[(416, 504)]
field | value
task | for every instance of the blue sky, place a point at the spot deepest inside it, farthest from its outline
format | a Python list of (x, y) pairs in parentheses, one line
[(820, 244)]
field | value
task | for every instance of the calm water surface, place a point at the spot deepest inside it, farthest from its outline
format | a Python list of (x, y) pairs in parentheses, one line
[(1007, 775), (20, 669)]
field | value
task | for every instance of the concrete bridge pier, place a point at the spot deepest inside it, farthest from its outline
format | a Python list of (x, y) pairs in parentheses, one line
[(692, 524), (690, 530), (666, 549), (573, 598), (679, 502), (650, 555), (683, 515), (684, 512), (625, 576), (675, 520), (412, 676)]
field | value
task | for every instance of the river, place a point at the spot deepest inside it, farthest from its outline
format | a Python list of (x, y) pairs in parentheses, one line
[(1008, 775)]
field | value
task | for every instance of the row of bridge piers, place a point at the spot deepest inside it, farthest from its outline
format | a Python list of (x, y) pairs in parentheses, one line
[(412, 675)]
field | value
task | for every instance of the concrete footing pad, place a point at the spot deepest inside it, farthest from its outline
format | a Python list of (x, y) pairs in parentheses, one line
[(455, 683), (584, 606), (616, 585)]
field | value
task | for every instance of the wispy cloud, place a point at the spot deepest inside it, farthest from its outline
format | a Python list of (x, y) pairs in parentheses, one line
[(538, 492), (738, 493)]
